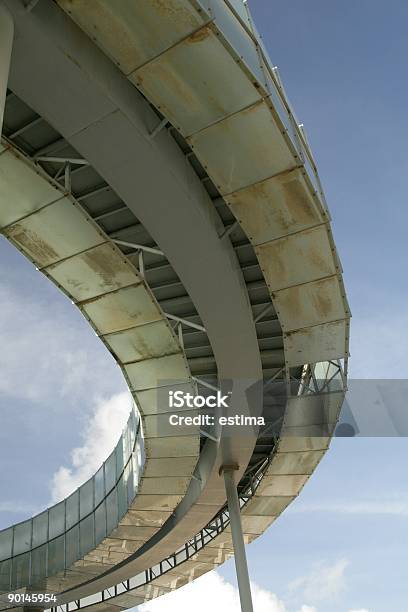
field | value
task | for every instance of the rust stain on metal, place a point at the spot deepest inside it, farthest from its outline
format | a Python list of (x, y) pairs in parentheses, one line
[(297, 203), (323, 302), (173, 10), (104, 263), (33, 244), (200, 35)]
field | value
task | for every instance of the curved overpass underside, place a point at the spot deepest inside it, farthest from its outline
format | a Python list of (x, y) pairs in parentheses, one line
[(183, 214)]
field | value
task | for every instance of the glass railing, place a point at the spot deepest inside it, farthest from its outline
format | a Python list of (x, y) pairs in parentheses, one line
[(53, 540)]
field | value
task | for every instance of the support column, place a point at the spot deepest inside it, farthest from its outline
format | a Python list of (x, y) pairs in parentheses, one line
[(241, 565), (6, 43)]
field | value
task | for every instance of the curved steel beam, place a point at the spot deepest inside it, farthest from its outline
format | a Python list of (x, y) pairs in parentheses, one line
[(109, 123)]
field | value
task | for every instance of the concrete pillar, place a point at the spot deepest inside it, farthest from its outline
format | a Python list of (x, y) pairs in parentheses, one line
[(6, 43)]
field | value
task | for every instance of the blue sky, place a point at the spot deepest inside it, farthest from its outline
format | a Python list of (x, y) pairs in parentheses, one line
[(341, 546)]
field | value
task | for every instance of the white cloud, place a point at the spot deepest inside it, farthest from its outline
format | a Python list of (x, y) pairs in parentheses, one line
[(101, 432), (49, 352), (322, 583), (360, 610), (212, 592)]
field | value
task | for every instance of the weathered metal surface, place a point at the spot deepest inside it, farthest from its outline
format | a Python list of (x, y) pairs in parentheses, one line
[(229, 147), (171, 485), (93, 273), (54, 233), (295, 259), (132, 532), (173, 446), (295, 463), (281, 485), (128, 600), (276, 207), (293, 443), (160, 502), (267, 505), (158, 372), (318, 343), (162, 467), (240, 8), (145, 518), (23, 190), (143, 342), (238, 41), (309, 304), (6, 44), (310, 410), (255, 524), (123, 309), (192, 99), (159, 425), (133, 33), (156, 401)]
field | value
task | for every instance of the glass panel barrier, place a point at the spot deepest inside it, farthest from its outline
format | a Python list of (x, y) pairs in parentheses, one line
[(53, 540), (22, 537)]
